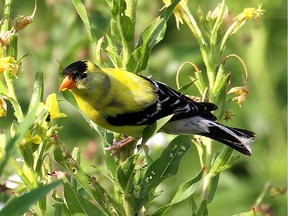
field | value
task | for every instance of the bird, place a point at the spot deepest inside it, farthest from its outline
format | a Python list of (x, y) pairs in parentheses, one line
[(126, 103)]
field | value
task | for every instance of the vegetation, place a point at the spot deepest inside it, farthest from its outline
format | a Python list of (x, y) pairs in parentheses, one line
[(52, 158)]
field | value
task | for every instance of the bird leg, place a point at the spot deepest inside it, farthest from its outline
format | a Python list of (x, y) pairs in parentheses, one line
[(118, 145)]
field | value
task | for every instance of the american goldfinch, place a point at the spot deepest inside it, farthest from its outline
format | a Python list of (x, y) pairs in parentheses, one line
[(126, 103)]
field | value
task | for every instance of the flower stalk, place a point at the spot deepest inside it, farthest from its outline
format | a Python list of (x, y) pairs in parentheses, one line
[(216, 79)]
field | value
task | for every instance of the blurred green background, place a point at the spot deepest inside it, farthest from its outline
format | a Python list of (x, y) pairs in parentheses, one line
[(57, 33)]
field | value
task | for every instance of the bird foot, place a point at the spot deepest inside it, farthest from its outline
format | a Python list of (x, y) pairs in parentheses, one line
[(118, 145)]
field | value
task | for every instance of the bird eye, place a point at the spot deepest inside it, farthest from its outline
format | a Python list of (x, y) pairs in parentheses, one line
[(84, 75)]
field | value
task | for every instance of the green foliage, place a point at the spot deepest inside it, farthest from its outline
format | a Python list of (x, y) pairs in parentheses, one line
[(22, 203), (137, 180)]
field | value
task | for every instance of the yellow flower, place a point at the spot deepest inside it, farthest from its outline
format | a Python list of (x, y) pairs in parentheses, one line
[(53, 107), (249, 13), (29, 138), (9, 64), (3, 107), (178, 10), (241, 93)]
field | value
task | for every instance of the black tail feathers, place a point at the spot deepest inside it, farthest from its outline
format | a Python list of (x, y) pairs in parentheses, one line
[(238, 139)]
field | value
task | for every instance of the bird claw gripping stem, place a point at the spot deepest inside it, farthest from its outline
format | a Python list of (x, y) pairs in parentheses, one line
[(118, 145)]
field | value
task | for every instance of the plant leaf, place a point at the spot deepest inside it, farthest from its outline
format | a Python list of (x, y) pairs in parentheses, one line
[(151, 36), (202, 211), (152, 129), (186, 86), (37, 93), (89, 184), (78, 205), (166, 165), (184, 192), (125, 172), (83, 15), (20, 132), (22, 203)]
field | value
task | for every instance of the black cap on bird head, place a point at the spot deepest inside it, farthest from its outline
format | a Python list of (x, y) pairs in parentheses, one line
[(75, 70)]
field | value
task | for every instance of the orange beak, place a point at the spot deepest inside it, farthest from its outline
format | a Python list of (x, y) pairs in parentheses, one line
[(67, 83)]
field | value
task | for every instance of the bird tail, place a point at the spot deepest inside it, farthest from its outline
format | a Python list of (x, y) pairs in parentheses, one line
[(238, 139)]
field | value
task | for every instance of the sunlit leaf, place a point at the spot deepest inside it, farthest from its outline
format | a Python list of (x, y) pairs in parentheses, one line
[(37, 93)]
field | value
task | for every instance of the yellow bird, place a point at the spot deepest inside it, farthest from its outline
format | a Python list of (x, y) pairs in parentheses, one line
[(126, 103)]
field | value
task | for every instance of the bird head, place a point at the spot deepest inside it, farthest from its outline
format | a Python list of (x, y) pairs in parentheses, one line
[(80, 75)]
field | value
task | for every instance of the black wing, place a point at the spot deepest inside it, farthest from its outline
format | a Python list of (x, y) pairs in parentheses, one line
[(168, 102)]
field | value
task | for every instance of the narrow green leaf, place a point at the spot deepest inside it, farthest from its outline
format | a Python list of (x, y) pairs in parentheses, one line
[(37, 94), (89, 208), (113, 5), (193, 206), (24, 201), (83, 15), (166, 165), (152, 129), (127, 28), (98, 59), (76, 155), (70, 98), (221, 78), (202, 211), (3, 88), (89, 184), (112, 52), (125, 172), (213, 187), (184, 192), (223, 161), (20, 132), (187, 86), (200, 82), (151, 36), (78, 205), (107, 139), (17, 109), (110, 161), (221, 100)]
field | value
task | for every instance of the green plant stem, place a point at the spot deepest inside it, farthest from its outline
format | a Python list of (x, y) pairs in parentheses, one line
[(127, 46), (7, 12), (205, 51), (11, 93), (126, 49), (11, 51), (128, 205), (5, 23), (127, 197)]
